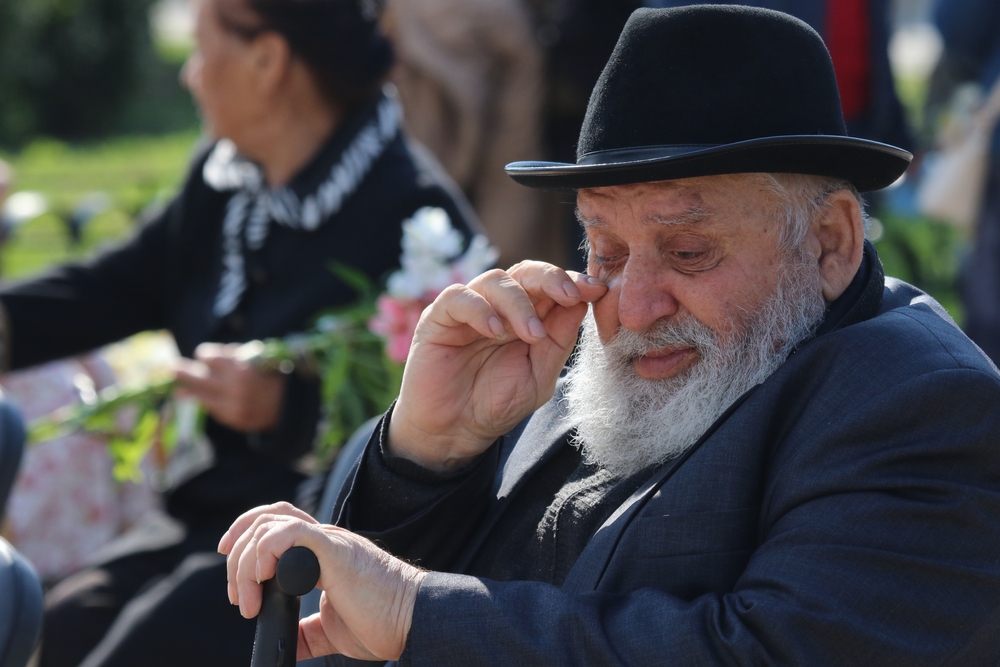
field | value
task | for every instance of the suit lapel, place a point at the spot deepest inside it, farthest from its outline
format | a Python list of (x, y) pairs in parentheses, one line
[(525, 448), (541, 436), (592, 563), (590, 567)]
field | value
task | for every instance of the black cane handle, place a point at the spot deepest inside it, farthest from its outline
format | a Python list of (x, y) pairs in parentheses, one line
[(276, 639)]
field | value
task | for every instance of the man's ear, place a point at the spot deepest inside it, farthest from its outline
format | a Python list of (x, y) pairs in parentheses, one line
[(837, 237)]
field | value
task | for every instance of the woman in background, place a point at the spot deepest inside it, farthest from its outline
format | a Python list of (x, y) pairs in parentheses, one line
[(310, 168)]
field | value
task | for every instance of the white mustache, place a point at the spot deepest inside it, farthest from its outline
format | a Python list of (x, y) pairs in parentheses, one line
[(627, 345)]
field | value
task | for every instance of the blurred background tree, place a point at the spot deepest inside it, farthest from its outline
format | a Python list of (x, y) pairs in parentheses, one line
[(84, 69)]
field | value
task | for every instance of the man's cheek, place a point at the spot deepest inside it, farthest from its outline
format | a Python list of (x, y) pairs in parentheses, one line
[(605, 312)]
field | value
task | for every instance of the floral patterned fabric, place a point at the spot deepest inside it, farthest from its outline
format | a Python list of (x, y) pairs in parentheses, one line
[(65, 504)]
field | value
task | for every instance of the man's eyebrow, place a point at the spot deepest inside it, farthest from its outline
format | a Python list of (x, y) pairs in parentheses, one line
[(691, 216), (586, 222)]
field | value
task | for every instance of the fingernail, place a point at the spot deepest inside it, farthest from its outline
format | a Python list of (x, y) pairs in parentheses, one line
[(592, 280), (242, 612), (570, 289), (536, 327), (221, 542), (256, 571), (496, 326)]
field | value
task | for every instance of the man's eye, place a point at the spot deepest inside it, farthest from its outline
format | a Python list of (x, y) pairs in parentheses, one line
[(693, 261)]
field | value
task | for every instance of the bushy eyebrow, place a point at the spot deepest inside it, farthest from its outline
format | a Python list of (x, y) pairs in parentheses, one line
[(691, 216), (586, 222)]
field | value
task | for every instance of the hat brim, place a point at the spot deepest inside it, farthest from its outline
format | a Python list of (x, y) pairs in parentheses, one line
[(868, 165)]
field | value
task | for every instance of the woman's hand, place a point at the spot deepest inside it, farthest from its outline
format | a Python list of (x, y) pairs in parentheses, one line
[(367, 603), (484, 356), (231, 389)]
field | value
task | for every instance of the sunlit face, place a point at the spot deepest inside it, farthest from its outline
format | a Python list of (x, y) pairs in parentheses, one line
[(705, 248), (221, 73)]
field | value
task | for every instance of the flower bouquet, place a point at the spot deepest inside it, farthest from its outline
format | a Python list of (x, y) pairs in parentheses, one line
[(357, 351)]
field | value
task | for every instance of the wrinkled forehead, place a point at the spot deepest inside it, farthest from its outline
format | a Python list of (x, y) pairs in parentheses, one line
[(683, 202)]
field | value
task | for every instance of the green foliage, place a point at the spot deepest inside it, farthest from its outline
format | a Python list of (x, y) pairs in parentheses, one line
[(127, 445), (132, 171), (68, 68), (358, 382), (925, 253)]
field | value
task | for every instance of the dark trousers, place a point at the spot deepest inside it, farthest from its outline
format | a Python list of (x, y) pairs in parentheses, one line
[(164, 608)]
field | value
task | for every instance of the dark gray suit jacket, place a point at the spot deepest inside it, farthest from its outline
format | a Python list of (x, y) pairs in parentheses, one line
[(845, 512)]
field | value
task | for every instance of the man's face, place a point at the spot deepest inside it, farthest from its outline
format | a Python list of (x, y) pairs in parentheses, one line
[(704, 248), (703, 304)]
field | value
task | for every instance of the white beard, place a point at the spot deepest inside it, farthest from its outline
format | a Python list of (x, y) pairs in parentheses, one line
[(625, 423)]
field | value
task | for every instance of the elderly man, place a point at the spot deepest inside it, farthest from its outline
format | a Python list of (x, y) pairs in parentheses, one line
[(765, 452)]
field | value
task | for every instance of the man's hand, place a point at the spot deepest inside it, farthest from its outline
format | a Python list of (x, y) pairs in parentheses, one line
[(234, 392), (484, 356), (368, 596)]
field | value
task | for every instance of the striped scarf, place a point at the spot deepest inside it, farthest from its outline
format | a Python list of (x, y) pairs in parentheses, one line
[(254, 206)]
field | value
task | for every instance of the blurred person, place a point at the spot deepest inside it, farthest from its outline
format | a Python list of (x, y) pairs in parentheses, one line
[(970, 30), (310, 167), (469, 75)]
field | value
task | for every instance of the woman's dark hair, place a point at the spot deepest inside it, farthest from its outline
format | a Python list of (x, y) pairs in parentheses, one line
[(339, 40)]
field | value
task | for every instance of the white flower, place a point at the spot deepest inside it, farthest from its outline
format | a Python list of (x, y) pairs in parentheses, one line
[(429, 233), (480, 257), (429, 243)]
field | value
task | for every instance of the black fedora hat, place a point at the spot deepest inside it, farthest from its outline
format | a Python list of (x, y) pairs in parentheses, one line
[(716, 89)]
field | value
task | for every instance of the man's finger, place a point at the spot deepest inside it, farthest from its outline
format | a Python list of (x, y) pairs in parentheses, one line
[(235, 540), (245, 520), (313, 641), (259, 560), (591, 288), (459, 305), (248, 572), (541, 280), (512, 303)]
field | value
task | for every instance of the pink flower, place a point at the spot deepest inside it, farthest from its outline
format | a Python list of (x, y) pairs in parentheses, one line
[(396, 321)]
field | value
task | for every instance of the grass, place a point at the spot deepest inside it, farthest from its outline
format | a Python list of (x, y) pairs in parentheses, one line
[(131, 173)]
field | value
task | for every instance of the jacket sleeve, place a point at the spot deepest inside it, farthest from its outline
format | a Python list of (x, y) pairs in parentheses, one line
[(413, 513), (878, 546), (78, 307)]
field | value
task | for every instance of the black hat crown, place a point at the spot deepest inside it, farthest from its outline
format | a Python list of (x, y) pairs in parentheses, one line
[(716, 89)]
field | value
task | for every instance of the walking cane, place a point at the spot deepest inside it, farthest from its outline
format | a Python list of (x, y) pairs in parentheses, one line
[(276, 639)]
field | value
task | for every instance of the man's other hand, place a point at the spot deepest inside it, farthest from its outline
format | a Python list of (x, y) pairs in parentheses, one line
[(229, 387), (367, 603), (484, 356)]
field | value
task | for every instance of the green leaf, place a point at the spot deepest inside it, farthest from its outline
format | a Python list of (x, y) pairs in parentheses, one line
[(354, 278)]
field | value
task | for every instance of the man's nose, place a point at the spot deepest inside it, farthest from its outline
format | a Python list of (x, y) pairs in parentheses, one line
[(645, 296)]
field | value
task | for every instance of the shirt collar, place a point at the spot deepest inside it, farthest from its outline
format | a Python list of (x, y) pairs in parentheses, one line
[(861, 300)]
